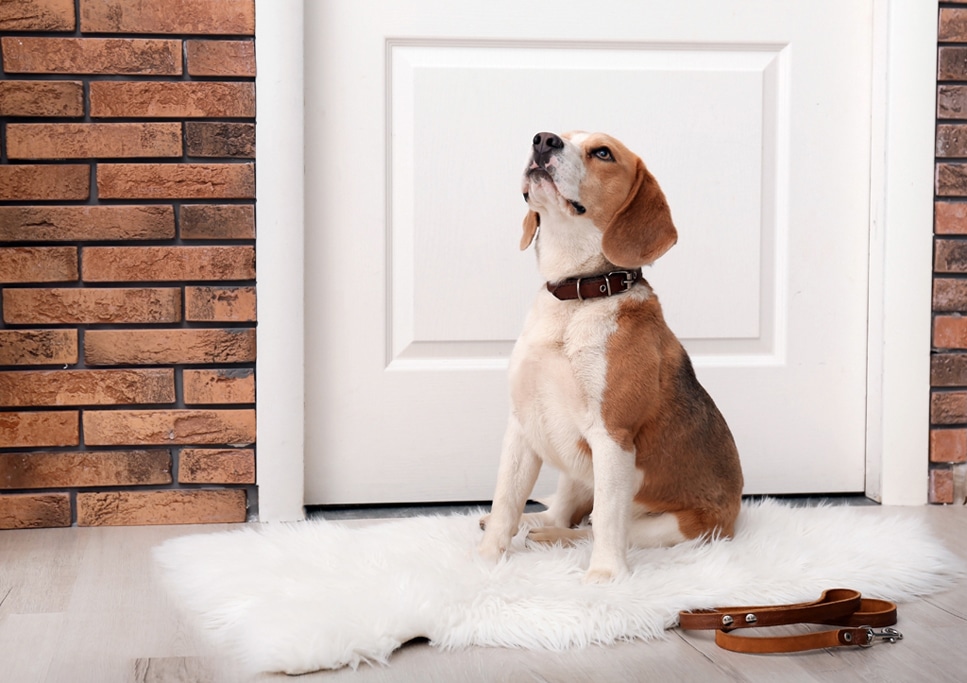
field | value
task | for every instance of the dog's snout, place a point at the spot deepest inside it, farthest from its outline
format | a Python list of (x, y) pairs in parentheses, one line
[(545, 144)]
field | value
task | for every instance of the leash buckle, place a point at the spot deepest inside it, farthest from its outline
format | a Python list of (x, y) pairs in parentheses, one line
[(890, 635)]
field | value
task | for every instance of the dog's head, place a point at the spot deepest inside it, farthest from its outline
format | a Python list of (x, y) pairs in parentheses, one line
[(594, 177)]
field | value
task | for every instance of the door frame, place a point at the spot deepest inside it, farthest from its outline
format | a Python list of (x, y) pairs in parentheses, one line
[(900, 266)]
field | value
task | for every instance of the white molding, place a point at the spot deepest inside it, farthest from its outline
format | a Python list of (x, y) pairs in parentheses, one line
[(279, 215), (900, 254), (901, 244)]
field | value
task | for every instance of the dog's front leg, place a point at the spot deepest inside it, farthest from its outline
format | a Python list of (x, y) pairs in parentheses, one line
[(516, 475), (615, 483)]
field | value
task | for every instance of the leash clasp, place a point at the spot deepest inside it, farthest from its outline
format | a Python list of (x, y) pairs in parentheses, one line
[(890, 635)]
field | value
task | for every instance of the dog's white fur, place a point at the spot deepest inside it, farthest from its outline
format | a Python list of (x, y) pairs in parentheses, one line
[(600, 388)]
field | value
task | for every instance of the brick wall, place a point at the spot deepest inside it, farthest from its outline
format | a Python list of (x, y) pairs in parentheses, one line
[(948, 400), (127, 261)]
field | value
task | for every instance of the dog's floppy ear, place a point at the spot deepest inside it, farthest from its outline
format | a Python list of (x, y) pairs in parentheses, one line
[(532, 221), (642, 229)]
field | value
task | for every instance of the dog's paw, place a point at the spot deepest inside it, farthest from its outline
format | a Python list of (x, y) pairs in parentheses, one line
[(491, 549), (548, 535), (483, 522)]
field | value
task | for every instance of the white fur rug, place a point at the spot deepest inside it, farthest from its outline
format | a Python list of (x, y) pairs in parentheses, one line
[(322, 595)]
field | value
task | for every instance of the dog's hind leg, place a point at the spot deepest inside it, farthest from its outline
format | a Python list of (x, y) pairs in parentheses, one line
[(655, 530), (566, 508), (516, 476)]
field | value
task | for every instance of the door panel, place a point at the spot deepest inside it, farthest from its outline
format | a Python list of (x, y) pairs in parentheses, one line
[(753, 117)]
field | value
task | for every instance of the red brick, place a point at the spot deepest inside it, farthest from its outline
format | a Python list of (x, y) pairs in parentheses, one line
[(92, 305), (953, 25), (89, 140), (41, 98), (176, 181), (948, 370), (195, 506), (949, 332), (45, 470), (160, 346), (948, 407), (121, 264), (951, 102), (86, 387), (222, 304), (217, 221), (201, 99), (215, 17), (39, 429), (950, 256), (37, 15), (38, 264), (216, 466), (951, 63), (35, 510), (950, 218), (28, 182), (949, 295), (948, 445), (22, 54), (217, 386), (221, 58), (164, 427), (220, 139), (38, 347), (88, 223), (941, 486)]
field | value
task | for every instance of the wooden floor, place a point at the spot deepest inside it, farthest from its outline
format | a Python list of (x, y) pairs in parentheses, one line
[(79, 605)]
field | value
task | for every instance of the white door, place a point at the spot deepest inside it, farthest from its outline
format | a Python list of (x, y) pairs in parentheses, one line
[(753, 116)]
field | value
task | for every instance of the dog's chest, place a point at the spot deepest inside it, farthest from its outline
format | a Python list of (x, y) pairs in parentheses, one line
[(558, 373)]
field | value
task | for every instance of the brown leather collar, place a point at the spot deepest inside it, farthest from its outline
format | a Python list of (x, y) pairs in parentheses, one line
[(608, 284), (839, 606)]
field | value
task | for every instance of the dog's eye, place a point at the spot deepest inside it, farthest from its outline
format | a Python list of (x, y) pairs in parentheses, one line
[(603, 153)]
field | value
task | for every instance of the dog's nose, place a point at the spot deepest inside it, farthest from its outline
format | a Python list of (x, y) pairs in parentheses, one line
[(544, 146)]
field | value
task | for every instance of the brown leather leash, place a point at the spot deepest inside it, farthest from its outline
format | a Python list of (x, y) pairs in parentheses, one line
[(836, 607)]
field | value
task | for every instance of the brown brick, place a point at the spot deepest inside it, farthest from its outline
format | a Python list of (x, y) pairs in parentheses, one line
[(950, 218), (948, 370), (222, 304), (129, 508), (37, 15), (216, 466), (951, 180), (40, 429), (948, 445), (218, 139), (215, 17), (948, 407), (217, 221), (950, 256), (949, 295), (89, 140), (89, 223), (951, 63), (92, 305), (86, 387), (950, 332), (953, 26), (157, 347), (23, 54), (202, 99), (221, 58), (217, 386), (38, 347), (951, 140), (176, 181), (951, 102), (38, 264), (44, 470), (34, 510), (41, 98), (164, 427), (117, 264), (941, 486), (27, 182)]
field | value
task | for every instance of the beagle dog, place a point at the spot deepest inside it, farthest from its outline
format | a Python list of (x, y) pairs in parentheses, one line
[(600, 387)]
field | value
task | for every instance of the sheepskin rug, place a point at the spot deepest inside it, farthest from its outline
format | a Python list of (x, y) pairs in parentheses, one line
[(323, 595)]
